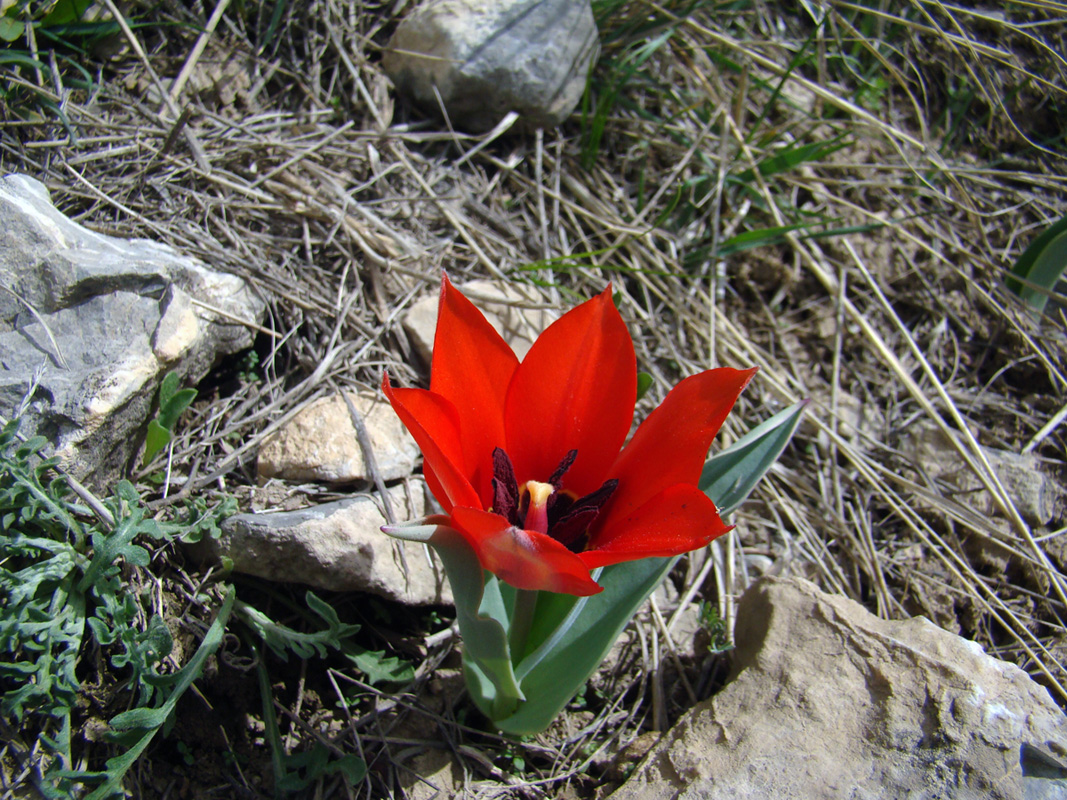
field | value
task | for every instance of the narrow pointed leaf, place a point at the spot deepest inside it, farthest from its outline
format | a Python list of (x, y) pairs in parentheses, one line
[(155, 440), (730, 476), (167, 387), (1041, 266)]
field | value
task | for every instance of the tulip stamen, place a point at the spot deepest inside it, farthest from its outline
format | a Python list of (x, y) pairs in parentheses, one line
[(547, 507)]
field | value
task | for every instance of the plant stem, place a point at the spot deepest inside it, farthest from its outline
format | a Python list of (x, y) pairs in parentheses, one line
[(521, 621)]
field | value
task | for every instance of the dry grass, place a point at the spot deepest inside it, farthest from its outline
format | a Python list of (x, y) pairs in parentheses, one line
[(876, 291)]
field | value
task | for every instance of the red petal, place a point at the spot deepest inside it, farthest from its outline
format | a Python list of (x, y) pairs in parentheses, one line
[(671, 445), (678, 519), (434, 424), (434, 485), (525, 559), (472, 367), (575, 389)]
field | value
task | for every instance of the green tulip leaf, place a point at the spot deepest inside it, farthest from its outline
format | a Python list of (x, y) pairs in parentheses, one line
[(554, 672), (549, 618), (1040, 267), (730, 476), (481, 612)]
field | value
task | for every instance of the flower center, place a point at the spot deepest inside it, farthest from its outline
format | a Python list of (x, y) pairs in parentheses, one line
[(547, 507)]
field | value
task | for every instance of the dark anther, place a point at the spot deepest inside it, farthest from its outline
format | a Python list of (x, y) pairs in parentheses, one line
[(524, 507), (568, 519), (558, 505), (561, 470), (570, 529), (573, 523), (505, 487)]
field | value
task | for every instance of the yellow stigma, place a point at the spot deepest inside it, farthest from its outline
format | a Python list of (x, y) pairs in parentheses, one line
[(537, 512), (539, 493)]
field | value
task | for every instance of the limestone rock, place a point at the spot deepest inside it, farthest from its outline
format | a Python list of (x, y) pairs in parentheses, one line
[(100, 321), (498, 301), (829, 701), (488, 57), (335, 546), (1036, 493), (319, 443)]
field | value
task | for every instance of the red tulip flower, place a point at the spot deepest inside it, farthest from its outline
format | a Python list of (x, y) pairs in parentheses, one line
[(527, 459)]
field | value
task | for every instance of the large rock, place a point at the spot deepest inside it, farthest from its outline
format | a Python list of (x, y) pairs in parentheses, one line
[(335, 546), (829, 701), (100, 321), (320, 444), (488, 57)]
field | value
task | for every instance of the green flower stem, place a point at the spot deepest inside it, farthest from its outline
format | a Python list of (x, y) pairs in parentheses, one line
[(521, 621)]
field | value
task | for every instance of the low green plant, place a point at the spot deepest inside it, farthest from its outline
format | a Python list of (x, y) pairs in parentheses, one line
[(69, 586), (172, 402), (68, 582), (47, 43), (294, 772), (282, 640), (631, 42), (248, 368), (715, 625), (197, 519), (626, 83)]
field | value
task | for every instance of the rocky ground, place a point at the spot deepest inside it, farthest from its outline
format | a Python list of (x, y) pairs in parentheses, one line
[(261, 198)]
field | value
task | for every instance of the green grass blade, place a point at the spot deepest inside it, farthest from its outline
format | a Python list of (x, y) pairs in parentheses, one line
[(788, 158)]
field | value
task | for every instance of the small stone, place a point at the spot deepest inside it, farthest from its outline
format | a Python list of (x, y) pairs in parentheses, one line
[(501, 303), (484, 58), (827, 701), (758, 565), (336, 546), (432, 775), (855, 419), (320, 444), (1037, 495)]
